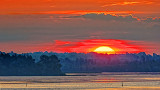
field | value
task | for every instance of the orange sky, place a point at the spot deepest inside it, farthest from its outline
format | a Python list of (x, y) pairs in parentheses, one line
[(32, 32), (27, 6)]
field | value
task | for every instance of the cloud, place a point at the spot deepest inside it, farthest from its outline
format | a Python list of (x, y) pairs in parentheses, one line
[(123, 3), (109, 17), (127, 3), (152, 20), (89, 45)]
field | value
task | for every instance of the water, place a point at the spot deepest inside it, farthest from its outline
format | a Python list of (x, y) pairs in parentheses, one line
[(84, 81)]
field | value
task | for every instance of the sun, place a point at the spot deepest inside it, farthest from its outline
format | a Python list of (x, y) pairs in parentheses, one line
[(104, 50)]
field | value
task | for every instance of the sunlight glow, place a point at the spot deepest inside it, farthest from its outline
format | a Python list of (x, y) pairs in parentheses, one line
[(104, 50)]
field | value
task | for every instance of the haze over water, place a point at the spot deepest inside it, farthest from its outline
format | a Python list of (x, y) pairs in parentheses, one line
[(85, 81)]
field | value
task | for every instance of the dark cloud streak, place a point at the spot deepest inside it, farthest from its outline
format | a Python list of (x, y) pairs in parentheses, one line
[(109, 17)]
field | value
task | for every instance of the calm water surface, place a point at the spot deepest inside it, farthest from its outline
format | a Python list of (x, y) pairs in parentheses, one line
[(84, 81)]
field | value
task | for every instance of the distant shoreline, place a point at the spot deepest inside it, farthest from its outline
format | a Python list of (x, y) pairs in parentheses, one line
[(90, 74)]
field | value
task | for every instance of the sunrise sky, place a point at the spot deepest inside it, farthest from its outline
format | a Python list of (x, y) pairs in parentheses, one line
[(80, 25)]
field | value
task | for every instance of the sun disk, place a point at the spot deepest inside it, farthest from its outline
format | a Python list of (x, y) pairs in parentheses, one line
[(104, 50)]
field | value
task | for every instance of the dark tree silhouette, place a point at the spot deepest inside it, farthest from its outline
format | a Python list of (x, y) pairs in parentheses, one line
[(25, 65), (49, 65)]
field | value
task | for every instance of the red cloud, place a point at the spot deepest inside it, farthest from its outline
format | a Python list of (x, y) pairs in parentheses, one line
[(86, 46)]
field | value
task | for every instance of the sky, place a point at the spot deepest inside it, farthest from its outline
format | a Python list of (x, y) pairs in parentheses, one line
[(80, 25)]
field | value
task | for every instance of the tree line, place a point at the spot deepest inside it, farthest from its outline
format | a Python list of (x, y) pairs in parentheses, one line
[(25, 65)]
